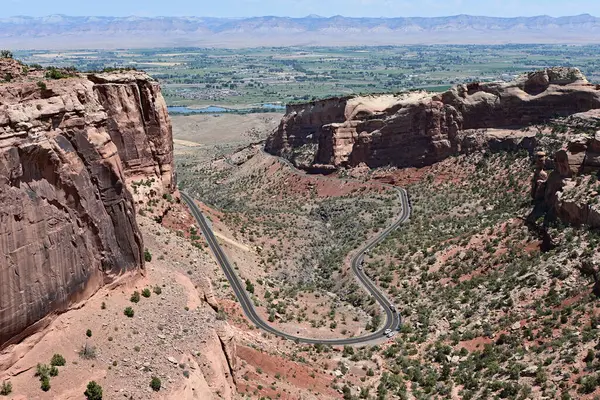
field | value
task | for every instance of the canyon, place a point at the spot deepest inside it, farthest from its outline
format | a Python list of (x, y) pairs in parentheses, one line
[(90, 213), (416, 129), (83, 158)]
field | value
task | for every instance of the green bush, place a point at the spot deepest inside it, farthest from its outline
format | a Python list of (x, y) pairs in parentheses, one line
[(45, 383), (57, 360), (147, 255), (249, 286), (155, 384), (54, 73), (42, 370), (88, 333), (93, 391), (42, 85), (129, 312), (6, 54), (135, 297), (157, 290), (146, 292), (6, 388)]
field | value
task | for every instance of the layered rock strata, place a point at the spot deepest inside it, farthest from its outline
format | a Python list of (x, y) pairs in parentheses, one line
[(419, 128), (68, 149)]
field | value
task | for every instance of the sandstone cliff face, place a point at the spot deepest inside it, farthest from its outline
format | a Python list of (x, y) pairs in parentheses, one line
[(139, 124), (67, 219), (417, 129)]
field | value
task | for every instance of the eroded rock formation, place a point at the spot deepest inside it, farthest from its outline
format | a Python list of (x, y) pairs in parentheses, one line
[(565, 185), (68, 149), (418, 128)]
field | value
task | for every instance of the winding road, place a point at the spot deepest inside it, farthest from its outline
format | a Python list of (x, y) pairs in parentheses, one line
[(393, 318)]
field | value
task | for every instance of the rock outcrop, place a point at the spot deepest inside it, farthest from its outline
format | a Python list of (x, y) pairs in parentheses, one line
[(418, 128), (565, 186), (68, 149)]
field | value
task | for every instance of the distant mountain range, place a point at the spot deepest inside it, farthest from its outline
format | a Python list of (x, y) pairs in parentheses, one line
[(61, 32)]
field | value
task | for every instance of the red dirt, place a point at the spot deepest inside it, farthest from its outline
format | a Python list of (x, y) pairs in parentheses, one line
[(296, 374)]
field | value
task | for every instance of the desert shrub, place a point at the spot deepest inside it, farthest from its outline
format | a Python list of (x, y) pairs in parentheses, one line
[(57, 360), (6, 54), (146, 292), (147, 255), (45, 383), (54, 73), (42, 370), (129, 312), (87, 352), (93, 391), (135, 297), (249, 286), (6, 388), (42, 85), (155, 383), (88, 333), (157, 290)]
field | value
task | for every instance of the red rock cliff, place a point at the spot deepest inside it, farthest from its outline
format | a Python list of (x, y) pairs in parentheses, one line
[(68, 149), (418, 128)]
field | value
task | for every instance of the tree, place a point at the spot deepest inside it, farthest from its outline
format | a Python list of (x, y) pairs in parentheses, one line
[(94, 391), (88, 333), (6, 54)]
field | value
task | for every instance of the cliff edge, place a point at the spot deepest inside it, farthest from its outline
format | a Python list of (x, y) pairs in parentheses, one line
[(417, 128), (70, 149)]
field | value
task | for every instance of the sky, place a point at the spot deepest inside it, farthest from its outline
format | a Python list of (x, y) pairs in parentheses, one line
[(299, 8)]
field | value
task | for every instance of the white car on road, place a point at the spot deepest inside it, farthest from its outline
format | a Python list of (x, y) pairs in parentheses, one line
[(387, 332), (391, 334)]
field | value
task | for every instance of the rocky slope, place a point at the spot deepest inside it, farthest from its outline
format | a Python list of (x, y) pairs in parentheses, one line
[(68, 150), (418, 128)]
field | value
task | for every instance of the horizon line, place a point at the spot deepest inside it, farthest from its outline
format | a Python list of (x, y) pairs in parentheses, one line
[(314, 16)]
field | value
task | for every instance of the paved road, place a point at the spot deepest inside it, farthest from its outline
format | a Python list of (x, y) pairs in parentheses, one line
[(393, 318)]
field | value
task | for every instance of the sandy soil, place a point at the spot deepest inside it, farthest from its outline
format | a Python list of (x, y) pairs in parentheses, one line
[(224, 128)]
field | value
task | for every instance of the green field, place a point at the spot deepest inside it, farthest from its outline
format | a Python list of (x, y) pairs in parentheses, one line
[(245, 77)]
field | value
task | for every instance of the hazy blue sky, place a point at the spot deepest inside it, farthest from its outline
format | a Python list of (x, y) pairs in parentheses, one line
[(295, 8)]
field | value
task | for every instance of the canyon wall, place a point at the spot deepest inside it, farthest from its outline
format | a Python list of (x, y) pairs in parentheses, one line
[(69, 148), (418, 128)]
